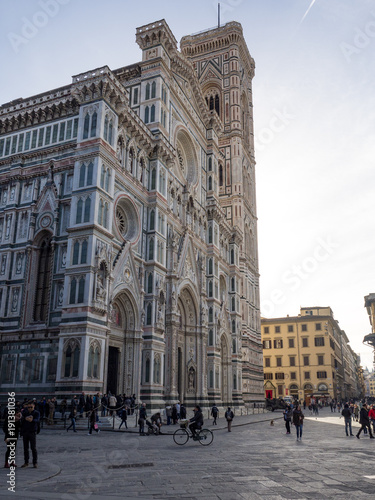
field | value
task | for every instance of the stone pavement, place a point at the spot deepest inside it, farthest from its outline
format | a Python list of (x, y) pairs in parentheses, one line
[(255, 461)]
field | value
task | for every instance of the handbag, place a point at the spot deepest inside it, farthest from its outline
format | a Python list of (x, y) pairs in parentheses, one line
[(96, 427)]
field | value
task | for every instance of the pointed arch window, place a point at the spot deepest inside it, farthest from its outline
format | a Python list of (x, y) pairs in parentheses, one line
[(82, 175), (75, 253), (93, 361), (43, 281), (107, 179), (79, 211), (210, 266), (221, 176), (105, 215), (232, 256), (209, 234), (211, 337), (152, 220), (153, 90), (233, 304), (233, 284), (150, 281), (81, 290), (157, 366), (210, 289), (234, 381), (151, 249), (86, 216), (90, 173), (102, 177), (84, 252), (149, 314), (73, 291), (147, 371), (233, 326), (100, 212), (86, 126), (94, 120), (147, 114), (110, 133), (71, 361), (147, 96), (210, 315), (217, 104), (210, 164), (153, 179), (211, 102), (106, 128), (152, 116), (210, 183), (211, 379)]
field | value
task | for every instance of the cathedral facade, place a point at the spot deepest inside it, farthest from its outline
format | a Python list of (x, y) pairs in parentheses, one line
[(128, 228)]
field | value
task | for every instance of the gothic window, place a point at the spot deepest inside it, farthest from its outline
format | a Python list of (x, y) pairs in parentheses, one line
[(84, 252), (210, 183), (221, 176), (131, 160), (107, 178), (149, 283), (147, 96), (153, 90), (142, 167), (211, 337), (152, 220), (211, 379), (81, 290), (71, 361), (233, 284), (82, 175), (210, 315), (135, 96), (86, 216), (77, 290), (153, 179), (102, 177), (211, 102), (43, 280), (90, 171), (209, 234), (75, 253), (217, 104), (147, 371), (110, 133), (210, 288), (234, 381), (233, 304), (106, 128), (210, 266), (73, 291), (152, 116), (147, 114), (93, 361), (157, 366), (79, 211), (105, 215), (94, 120), (86, 126), (232, 256), (100, 212), (151, 249), (210, 164), (233, 326), (149, 314)]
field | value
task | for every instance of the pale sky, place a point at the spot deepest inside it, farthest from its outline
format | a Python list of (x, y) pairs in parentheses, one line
[(314, 124)]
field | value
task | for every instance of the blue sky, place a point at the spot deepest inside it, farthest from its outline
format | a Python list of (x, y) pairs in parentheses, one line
[(314, 124)]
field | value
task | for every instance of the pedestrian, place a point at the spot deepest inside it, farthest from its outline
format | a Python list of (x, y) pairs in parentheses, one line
[(142, 419), (63, 407), (11, 438), (124, 417), (93, 425), (178, 408), (364, 421), (347, 414), (182, 411), (371, 415), (304, 406), (214, 413), (112, 404), (168, 413), (288, 418), (81, 405), (29, 428), (356, 412), (104, 403), (72, 416), (229, 415), (298, 417), (174, 414)]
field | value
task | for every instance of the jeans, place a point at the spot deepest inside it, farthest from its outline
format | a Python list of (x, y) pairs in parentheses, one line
[(73, 424), (299, 430), (364, 428), (348, 426), (168, 420), (123, 422), (287, 426), (30, 438)]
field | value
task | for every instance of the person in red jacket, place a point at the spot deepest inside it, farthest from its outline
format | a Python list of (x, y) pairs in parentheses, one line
[(371, 416)]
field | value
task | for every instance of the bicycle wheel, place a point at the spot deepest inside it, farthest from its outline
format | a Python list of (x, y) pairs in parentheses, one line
[(181, 436), (205, 437)]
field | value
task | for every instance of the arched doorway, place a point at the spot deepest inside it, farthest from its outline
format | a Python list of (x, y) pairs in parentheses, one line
[(122, 355), (187, 348), (293, 388)]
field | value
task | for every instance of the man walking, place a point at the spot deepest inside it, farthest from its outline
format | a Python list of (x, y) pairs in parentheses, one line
[(229, 415), (364, 421), (214, 413), (29, 427), (347, 414)]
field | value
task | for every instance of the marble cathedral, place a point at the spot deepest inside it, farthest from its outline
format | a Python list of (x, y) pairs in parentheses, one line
[(128, 228)]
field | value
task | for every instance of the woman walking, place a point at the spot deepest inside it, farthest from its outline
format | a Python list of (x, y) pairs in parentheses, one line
[(298, 417), (288, 418)]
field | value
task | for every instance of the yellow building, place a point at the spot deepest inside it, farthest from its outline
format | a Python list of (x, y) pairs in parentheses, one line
[(308, 355)]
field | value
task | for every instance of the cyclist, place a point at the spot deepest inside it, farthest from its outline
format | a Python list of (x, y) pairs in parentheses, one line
[(196, 421)]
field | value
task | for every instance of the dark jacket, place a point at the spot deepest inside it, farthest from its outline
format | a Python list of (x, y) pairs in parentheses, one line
[(363, 417), (288, 412), (198, 418), (229, 415), (143, 413), (92, 417), (27, 426), (346, 413), (297, 417), (214, 411)]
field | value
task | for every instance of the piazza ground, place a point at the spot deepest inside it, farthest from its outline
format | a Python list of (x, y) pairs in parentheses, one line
[(254, 461)]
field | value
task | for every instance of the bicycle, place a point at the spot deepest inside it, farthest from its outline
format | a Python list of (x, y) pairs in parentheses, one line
[(181, 436)]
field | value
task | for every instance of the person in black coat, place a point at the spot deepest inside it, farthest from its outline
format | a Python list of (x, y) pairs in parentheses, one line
[(347, 414), (29, 427), (196, 421), (93, 424), (364, 421)]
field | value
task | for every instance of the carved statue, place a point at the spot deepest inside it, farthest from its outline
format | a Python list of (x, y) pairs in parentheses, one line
[(100, 289)]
